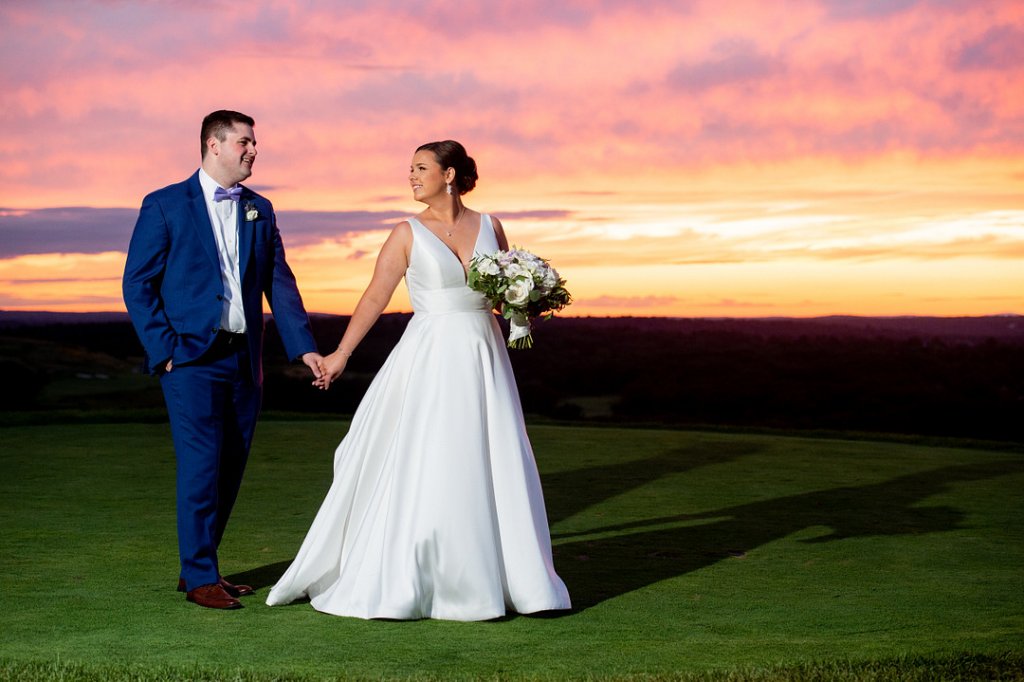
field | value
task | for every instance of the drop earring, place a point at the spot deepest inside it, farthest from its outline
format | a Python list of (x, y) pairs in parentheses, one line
[(448, 188)]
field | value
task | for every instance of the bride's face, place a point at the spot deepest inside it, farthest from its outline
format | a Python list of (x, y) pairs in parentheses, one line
[(426, 177)]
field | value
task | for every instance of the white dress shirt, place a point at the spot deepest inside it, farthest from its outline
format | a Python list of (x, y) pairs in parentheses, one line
[(224, 218)]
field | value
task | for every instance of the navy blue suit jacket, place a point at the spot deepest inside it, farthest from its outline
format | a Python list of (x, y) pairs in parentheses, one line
[(172, 282)]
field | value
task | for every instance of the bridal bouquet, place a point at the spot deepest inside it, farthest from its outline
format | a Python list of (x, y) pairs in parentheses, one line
[(520, 284)]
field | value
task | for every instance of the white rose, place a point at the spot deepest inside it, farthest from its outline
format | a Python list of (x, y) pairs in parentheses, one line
[(514, 270), (518, 292), (488, 267)]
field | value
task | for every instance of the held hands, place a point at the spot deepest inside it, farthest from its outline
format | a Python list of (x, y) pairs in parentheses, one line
[(330, 368), (313, 360)]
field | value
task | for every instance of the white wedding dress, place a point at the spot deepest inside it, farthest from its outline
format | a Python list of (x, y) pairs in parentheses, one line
[(436, 508)]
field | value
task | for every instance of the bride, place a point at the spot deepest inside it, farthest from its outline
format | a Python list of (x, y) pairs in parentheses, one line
[(436, 508)]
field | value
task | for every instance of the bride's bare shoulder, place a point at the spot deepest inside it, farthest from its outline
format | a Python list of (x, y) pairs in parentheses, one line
[(400, 237)]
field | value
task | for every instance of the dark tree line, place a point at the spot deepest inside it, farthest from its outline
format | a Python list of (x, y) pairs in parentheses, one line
[(925, 376), (955, 378)]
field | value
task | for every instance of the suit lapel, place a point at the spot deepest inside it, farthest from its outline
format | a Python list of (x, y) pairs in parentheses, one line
[(246, 232), (201, 219)]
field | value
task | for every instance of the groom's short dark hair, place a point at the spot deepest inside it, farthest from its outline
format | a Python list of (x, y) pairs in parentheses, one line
[(216, 123)]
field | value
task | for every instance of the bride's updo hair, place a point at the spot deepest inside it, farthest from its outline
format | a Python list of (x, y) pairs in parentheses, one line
[(451, 154)]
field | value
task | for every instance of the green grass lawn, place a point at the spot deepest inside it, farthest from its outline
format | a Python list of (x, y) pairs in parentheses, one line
[(688, 555)]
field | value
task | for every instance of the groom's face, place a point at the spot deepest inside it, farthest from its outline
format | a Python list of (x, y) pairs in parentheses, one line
[(232, 157)]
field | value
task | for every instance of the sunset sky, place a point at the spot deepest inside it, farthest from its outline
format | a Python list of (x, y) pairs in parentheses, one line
[(671, 158)]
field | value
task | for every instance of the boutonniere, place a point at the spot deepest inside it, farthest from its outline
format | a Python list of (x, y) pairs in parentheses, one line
[(251, 213)]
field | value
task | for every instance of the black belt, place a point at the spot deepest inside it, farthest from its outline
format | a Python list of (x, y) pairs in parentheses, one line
[(229, 340)]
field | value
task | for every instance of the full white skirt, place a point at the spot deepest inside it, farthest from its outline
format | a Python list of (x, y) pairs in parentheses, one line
[(436, 509)]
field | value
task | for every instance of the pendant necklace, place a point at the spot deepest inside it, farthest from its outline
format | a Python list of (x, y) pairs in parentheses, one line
[(456, 225)]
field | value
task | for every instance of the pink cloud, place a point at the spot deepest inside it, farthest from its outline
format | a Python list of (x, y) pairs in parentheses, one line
[(698, 86), (597, 112), (999, 48)]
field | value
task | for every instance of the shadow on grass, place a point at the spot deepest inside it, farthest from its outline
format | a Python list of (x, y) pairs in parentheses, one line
[(262, 576), (603, 568), (570, 492), (567, 493), (637, 555)]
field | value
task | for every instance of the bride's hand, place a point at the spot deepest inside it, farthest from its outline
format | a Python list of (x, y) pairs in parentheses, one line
[(331, 368)]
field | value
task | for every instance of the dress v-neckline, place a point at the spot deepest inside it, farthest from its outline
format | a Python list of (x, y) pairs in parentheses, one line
[(453, 252)]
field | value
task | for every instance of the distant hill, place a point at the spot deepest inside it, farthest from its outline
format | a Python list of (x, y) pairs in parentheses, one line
[(992, 326), (959, 377), (949, 328), (21, 318)]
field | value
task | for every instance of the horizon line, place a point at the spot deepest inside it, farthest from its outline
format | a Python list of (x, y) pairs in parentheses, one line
[(908, 316)]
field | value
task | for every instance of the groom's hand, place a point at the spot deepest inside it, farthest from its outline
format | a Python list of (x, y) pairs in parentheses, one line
[(313, 361), (331, 368)]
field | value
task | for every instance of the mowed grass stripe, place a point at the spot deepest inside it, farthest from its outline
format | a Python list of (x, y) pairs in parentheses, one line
[(685, 552)]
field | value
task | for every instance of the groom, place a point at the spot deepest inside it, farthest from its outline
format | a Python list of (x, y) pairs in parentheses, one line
[(203, 254)]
